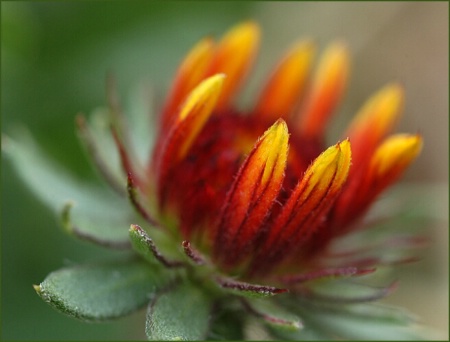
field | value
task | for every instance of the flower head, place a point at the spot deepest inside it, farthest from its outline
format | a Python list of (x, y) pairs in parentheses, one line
[(259, 192), (238, 203)]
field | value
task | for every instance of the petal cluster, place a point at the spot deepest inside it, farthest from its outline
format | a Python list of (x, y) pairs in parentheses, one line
[(260, 192)]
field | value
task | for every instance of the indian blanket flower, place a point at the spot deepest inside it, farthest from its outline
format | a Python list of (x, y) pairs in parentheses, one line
[(236, 205)]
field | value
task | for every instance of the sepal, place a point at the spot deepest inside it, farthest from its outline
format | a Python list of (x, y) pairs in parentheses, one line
[(145, 247), (249, 290), (272, 314)]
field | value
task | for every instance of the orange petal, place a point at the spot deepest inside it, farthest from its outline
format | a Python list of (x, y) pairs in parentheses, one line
[(196, 110), (253, 193), (386, 165), (234, 56), (191, 119), (190, 73), (374, 120), (391, 158), (327, 88), (283, 90), (312, 197)]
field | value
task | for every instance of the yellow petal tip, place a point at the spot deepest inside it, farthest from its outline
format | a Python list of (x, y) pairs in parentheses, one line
[(397, 152), (206, 91), (197, 109)]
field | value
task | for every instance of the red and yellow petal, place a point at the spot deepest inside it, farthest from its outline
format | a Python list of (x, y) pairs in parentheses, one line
[(234, 56), (327, 87), (390, 160), (252, 194), (374, 121), (190, 120), (284, 87), (386, 165), (190, 73), (310, 201)]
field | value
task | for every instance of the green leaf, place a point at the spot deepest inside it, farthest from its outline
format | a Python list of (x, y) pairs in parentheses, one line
[(88, 211), (351, 322), (102, 291), (354, 327), (273, 315), (136, 118), (141, 117), (145, 247), (95, 135), (341, 291), (181, 312), (227, 325)]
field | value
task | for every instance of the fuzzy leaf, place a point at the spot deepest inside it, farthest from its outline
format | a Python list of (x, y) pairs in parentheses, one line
[(227, 325), (273, 315), (95, 134), (181, 312), (351, 322), (145, 247), (91, 212), (140, 108), (102, 291), (136, 118), (344, 291)]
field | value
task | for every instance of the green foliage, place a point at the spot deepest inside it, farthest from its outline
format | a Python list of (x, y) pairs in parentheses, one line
[(273, 315), (181, 312), (102, 291), (90, 211), (227, 323)]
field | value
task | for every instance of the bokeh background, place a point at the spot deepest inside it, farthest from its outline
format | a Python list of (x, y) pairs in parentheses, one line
[(54, 57)]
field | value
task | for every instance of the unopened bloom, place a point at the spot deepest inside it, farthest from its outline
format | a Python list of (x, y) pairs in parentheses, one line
[(260, 193)]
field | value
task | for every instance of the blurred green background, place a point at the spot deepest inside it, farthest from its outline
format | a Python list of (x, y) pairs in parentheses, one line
[(54, 59)]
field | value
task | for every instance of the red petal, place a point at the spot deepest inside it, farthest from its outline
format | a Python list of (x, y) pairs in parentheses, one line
[(306, 207), (252, 194)]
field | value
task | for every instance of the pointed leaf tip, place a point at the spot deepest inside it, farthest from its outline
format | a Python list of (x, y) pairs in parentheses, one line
[(102, 291), (37, 288), (272, 314), (115, 240), (145, 247), (181, 312)]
